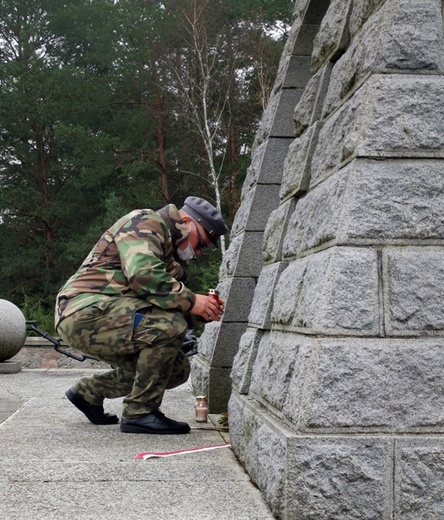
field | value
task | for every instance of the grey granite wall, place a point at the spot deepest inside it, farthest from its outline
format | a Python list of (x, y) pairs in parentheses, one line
[(331, 351), (244, 260)]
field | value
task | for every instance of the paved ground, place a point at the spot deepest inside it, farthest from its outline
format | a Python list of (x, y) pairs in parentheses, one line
[(54, 464)]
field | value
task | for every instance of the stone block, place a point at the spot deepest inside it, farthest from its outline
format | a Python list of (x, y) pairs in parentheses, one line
[(414, 288), (406, 120), (309, 108), (10, 367), (368, 202), (315, 12), (253, 171), (208, 340), (219, 389), (338, 138), (283, 125), (331, 292), (404, 35), (237, 294), (419, 478), (316, 219), (267, 163), (256, 207), (333, 34), (392, 201), (363, 56), (413, 38), (244, 360), (268, 117), (273, 368), (297, 166), (265, 200), (284, 62), (371, 385), (273, 162), (219, 342), (240, 432), (260, 443), (277, 120), (244, 256), (341, 478), (275, 231), (200, 375), (298, 72), (295, 399), (241, 217), (349, 303), (361, 12), (214, 382), (389, 116), (230, 258), (263, 295), (289, 290), (305, 39)]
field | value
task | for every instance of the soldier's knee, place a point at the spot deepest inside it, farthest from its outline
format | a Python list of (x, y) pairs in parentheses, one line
[(181, 371)]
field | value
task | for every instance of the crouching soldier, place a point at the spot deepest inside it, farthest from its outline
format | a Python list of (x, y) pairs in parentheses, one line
[(127, 305)]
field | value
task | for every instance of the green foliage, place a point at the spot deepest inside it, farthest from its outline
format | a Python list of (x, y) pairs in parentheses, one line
[(37, 310), (95, 121), (80, 241), (223, 420), (203, 272)]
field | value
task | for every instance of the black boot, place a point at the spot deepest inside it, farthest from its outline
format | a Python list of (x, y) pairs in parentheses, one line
[(95, 413), (154, 422)]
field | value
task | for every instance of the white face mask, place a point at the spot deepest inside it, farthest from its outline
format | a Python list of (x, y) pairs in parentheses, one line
[(186, 254)]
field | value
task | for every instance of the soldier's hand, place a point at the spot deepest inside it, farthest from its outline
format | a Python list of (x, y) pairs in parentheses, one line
[(207, 307)]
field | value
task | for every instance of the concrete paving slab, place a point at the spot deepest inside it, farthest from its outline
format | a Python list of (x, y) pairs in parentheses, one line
[(57, 465), (9, 406)]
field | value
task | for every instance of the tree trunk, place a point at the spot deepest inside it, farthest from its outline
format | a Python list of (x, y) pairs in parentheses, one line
[(45, 198), (161, 145)]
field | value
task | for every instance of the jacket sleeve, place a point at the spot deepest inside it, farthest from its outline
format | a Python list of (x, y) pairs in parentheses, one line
[(144, 266)]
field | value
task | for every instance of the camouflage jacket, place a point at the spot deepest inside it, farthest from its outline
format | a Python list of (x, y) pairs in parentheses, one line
[(133, 259)]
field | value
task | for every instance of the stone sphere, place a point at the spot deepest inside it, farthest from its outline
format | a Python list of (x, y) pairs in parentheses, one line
[(12, 330)]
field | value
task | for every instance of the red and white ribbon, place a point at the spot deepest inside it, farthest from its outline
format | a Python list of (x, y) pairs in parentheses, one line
[(162, 454)]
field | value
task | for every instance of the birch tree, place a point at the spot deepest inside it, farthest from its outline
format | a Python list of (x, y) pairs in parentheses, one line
[(199, 69), (226, 54)]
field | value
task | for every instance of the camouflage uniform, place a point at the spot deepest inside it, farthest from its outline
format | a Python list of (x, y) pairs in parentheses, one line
[(132, 268)]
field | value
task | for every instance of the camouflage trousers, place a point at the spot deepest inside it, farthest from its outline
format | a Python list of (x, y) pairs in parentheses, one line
[(145, 362)]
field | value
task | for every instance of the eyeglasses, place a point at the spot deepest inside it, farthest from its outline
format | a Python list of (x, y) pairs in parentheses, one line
[(201, 246)]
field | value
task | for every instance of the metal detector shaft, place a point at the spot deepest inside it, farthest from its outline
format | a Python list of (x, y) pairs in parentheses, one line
[(31, 326)]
